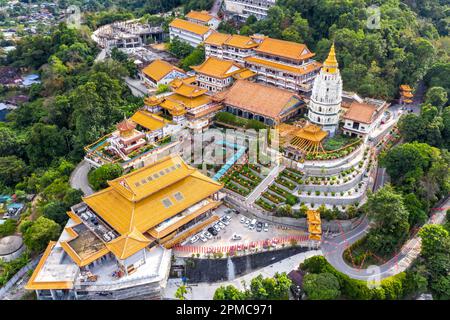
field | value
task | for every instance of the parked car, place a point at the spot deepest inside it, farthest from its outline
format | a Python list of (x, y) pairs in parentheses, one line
[(242, 220), (259, 226), (194, 239), (221, 225), (224, 221), (203, 238), (217, 227), (236, 237), (207, 235), (212, 231), (247, 222), (266, 227)]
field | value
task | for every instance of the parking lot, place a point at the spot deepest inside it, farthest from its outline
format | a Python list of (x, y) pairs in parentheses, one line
[(245, 235)]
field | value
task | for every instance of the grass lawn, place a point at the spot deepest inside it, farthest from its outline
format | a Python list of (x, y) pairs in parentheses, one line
[(337, 142)]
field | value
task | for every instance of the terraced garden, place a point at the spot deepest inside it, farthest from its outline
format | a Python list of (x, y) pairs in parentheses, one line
[(242, 179)]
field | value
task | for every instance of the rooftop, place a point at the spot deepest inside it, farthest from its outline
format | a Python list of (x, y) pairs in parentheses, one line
[(189, 26), (258, 98), (361, 112), (280, 66), (286, 49), (166, 187), (158, 69), (203, 15), (218, 68)]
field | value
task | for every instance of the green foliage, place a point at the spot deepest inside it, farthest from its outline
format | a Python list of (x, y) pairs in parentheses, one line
[(229, 292), (179, 48), (12, 170), (321, 286), (231, 119), (99, 177), (8, 228), (181, 292), (39, 233), (197, 5), (162, 88), (387, 210), (436, 96), (196, 57), (55, 211), (9, 269)]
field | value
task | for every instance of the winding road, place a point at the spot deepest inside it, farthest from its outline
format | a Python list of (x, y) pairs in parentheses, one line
[(79, 178)]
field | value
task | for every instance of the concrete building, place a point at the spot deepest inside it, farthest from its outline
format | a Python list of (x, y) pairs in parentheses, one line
[(204, 18), (242, 9), (267, 104), (284, 64), (216, 75), (192, 33), (160, 72), (325, 104), (11, 247), (362, 118), (229, 47), (116, 244)]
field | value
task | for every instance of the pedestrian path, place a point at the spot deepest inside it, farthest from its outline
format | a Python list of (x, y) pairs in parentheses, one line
[(267, 181)]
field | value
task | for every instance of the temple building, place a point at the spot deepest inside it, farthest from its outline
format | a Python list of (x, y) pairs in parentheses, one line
[(284, 64), (362, 118), (116, 244), (257, 101), (406, 95), (325, 105), (161, 72), (229, 47), (192, 33), (126, 139), (204, 18), (187, 105), (242, 9), (216, 75)]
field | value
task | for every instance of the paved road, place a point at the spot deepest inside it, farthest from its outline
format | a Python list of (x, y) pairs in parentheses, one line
[(216, 7), (333, 250), (79, 180)]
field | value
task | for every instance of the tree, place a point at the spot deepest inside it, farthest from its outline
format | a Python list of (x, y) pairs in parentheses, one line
[(12, 170), (179, 48), (436, 96), (99, 177), (284, 210), (321, 286), (55, 211), (276, 288), (434, 239), (8, 228), (181, 292), (45, 143), (386, 209), (196, 57), (229, 292), (40, 232)]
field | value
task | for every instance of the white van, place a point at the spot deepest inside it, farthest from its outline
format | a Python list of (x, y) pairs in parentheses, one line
[(252, 224)]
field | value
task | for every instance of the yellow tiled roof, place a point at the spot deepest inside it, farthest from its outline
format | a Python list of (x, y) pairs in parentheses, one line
[(217, 68), (158, 69), (189, 26), (129, 202), (190, 91), (297, 70), (178, 81), (149, 120), (245, 74), (286, 49), (239, 41), (174, 107), (189, 103), (217, 38), (312, 133), (34, 285), (203, 15), (128, 244)]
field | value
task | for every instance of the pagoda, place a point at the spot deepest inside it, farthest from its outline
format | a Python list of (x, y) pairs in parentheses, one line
[(406, 94)]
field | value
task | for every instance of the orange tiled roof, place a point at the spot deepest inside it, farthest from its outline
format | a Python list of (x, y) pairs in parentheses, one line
[(217, 38), (286, 49), (189, 26), (361, 112), (158, 69), (128, 244), (203, 15), (279, 66), (239, 41), (258, 98), (218, 68)]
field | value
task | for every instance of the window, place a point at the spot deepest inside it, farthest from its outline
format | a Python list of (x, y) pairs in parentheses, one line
[(178, 196), (156, 175), (167, 203), (161, 173)]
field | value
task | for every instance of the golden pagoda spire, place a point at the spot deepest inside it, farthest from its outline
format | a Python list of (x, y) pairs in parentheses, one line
[(331, 65)]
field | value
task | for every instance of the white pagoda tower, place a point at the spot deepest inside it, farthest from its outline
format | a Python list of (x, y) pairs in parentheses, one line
[(325, 104)]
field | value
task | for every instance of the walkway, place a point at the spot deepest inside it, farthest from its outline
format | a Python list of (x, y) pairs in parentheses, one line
[(79, 178), (205, 291), (273, 174)]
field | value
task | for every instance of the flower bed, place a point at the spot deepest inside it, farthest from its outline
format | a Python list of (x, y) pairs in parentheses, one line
[(292, 176), (286, 183), (237, 189), (278, 190), (273, 198), (265, 205)]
